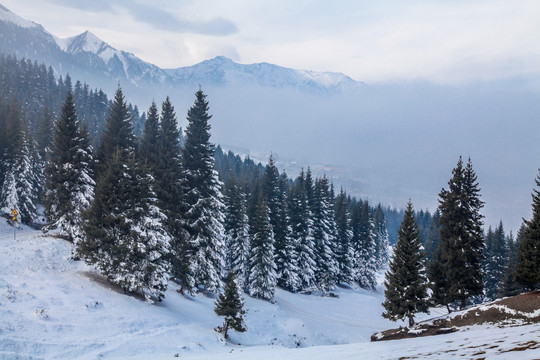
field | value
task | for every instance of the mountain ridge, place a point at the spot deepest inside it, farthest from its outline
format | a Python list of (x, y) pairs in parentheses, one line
[(86, 54)]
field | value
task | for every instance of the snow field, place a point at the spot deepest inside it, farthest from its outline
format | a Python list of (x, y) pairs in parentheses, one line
[(52, 307)]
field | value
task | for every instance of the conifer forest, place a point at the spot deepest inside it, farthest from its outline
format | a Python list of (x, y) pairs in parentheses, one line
[(146, 202)]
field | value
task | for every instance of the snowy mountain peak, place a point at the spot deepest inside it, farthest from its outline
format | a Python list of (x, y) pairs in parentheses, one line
[(224, 71), (8, 16), (87, 42)]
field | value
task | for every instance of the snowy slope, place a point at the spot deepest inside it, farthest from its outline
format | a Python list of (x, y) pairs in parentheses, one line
[(55, 308), (8, 16)]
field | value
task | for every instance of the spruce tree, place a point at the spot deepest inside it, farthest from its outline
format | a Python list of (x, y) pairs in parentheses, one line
[(433, 236), (262, 277), (324, 234), (302, 230), (509, 285), (381, 237), (343, 251), (69, 176), (124, 232), (148, 148), (495, 261), (236, 231), (230, 305), (118, 134), (165, 162), (363, 245), (406, 283), (461, 246), (528, 267), (22, 168), (285, 254), (204, 253)]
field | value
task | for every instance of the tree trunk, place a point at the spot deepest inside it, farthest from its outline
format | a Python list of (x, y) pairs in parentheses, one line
[(225, 329), (411, 321), (463, 304)]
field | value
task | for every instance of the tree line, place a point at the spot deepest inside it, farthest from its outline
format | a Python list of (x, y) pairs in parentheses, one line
[(144, 209), (459, 263)]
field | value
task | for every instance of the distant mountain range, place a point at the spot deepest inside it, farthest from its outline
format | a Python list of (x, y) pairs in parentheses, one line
[(87, 57)]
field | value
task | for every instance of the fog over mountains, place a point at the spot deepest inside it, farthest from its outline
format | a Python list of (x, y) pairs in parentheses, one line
[(388, 142)]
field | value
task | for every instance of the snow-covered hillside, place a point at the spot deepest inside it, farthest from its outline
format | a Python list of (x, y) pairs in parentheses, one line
[(55, 308)]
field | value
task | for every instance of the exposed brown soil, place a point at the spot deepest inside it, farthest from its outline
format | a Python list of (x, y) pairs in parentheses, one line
[(492, 313)]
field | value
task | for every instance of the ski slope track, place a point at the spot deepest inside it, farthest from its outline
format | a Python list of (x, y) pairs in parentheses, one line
[(52, 307)]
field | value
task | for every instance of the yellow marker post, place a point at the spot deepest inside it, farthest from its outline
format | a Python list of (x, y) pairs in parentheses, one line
[(14, 213)]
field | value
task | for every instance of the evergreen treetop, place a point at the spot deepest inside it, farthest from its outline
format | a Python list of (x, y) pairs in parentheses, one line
[(406, 283)]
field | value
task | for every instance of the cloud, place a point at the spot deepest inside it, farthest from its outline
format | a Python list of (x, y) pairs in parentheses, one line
[(165, 20), (156, 17)]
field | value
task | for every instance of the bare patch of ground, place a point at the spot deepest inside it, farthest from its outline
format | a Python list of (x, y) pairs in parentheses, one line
[(512, 311)]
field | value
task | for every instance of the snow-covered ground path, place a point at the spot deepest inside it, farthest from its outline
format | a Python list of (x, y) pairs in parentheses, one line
[(52, 307)]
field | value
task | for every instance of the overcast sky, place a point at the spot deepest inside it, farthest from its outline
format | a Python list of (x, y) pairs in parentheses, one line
[(452, 41)]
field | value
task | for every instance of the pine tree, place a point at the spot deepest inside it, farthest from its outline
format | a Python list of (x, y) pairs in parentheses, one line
[(343, 251), (285, 254), (433, 236), (262, 277), (161, 144), (324, 234), (461, 244), (406, 283), (118, 134), (148, 149), (302, 231), (509, 285), (69, 177), (124, 233), (22, 170), (381, 237), (237, 231), (230, 305), (495, 261), (204, 242), (528, 268), (363, 246)]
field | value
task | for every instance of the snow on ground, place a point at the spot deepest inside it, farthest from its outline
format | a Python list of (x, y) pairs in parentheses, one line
[(52, 307)]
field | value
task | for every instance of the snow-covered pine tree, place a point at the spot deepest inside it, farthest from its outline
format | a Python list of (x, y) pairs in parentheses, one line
[(203, 219), (495, 261), (381, 237), (167, 170), (406, 282), (237, 231), (324, 234), (274, 188), (69, 176), (343, 250), (124, 232), (230, 305), (363, 244), (528, 267), (262, 278), (22, 170), (124, 235), (302, 231)]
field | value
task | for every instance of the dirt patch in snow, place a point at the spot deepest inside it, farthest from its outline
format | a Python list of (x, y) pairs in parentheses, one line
[(512, 311)]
